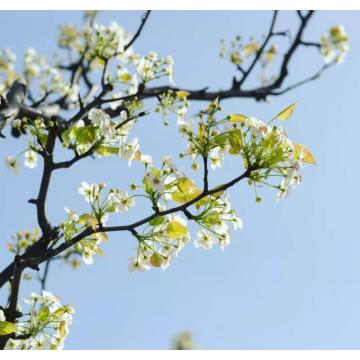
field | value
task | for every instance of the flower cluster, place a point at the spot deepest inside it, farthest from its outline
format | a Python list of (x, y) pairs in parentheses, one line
[(264, 149), (22, 240), (30, 161), (213, 220), (7, 72), (159, 184), (266, 153), (47, 326), (50, 80), (159, 242), (166, 235), (116, 201), (173, 102), (270, 152), (107, 41), (69, 37), (151, 67), (334, 45), (238, 51)]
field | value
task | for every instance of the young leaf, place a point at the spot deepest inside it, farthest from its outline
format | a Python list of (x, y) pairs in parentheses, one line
[(107, 150), (60, 311), (43, 314), (182, 94), (308, 156), (157, 221), (240, 118), (286, 113), (6, 328), (235, 141), (187, 191), (176, 230)]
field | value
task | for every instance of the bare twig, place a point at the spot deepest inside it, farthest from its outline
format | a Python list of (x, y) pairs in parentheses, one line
[(261, 50), (138, 32)]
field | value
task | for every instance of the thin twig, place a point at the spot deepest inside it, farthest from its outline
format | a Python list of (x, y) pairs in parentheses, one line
[(138, 32)]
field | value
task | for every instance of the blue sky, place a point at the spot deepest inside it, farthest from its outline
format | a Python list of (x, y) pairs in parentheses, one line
[(289, 279)]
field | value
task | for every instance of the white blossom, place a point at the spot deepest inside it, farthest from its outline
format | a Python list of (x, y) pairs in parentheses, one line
[(31, 159)]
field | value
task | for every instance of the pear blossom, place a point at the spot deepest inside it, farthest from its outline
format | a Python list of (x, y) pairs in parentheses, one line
[(90, 192), (216, 156), (128, 151), (48, 324), (99, 118), (205, 239), (12, 163), (30, 159), (223, 235), (136, 264), (121, 200), (146, 159), (73, 216)]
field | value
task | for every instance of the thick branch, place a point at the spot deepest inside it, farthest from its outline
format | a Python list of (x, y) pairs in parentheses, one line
[(45, 181), (11, 312)]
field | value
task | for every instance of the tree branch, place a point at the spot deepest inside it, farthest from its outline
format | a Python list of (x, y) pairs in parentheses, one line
[(138, 32), (6, 274), (206, 173), (307, 80), (45, 181), (182, 208), (261, 50)]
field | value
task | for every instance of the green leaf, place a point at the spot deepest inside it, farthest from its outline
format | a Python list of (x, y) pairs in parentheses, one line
[(43, 314), (182, 94), (107, 150), (270, 140), (43, 139), (286, 113), (61, 329), (84, 135), (308, 156), (157, 221), (6, 328), (111, 208), (66, 137), (235, 141), (176, 230), (88, 220), (240, 118), (187, 191), (220, 139), (251, 48), (213, 218), (59, 312)]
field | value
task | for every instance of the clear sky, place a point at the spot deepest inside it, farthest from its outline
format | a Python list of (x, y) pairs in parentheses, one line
[(290, 278)]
